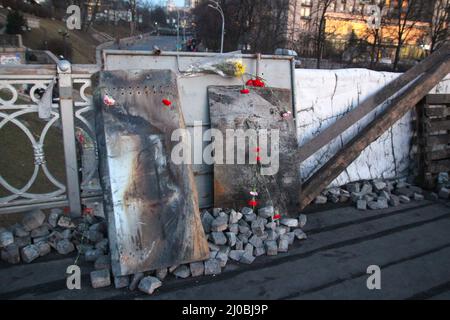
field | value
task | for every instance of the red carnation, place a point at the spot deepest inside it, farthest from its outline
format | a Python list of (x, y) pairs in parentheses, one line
[(276, 217), (252, 203), (88, 211), (258, 83), (258, 159), (167, 102), (258, 149), (81, 138), (245, 91), (249, 83)]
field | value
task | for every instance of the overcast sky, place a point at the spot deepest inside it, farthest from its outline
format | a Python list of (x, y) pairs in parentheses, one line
[(177, 2)]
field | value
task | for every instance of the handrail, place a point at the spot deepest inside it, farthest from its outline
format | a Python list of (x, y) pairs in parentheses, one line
[(25, 70)]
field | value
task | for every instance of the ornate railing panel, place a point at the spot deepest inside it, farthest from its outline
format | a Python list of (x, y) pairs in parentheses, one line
[(19, 97), (21, 90), (85, 133)]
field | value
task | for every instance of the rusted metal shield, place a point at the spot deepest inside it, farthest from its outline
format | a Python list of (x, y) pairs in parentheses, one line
[(151, 203), (262, 108)]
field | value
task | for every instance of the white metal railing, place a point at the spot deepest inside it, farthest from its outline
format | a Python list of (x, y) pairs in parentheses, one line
[(71, 111)]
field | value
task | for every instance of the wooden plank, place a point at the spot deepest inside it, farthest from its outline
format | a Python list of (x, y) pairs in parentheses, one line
[(151, 202), (434, 111), (398, 107), (438, 98), (442, 139), (437, 125), (437, 155), (419, 124), (262, 109), (438, 166), (342, 124)]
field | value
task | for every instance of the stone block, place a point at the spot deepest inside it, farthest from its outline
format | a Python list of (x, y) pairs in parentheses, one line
[(218, 238), (271, 248), (266, 212), (64, 246), (197, 268), (148, 285), (182, 272), (212, 267), (135, 280), (102, 262), (289, 222), (161, 274), (6, 238), (29, 253), (10, 254), (236, 255), (219, 224), (33, 219), (121, 282)]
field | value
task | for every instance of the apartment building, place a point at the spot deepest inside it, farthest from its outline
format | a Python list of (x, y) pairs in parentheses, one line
[(348, 18)]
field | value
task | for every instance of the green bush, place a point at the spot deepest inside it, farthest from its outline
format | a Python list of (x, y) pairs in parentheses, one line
[(15, 23)]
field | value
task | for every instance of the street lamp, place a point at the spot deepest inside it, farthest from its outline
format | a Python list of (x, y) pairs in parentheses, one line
[(216, 6), (183, 25), (178, 30)]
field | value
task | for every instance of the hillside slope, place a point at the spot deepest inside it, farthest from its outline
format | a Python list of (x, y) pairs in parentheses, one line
[(83, 43)]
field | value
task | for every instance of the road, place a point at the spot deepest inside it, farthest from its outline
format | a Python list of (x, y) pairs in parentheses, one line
[(411, 245), (165, 43)]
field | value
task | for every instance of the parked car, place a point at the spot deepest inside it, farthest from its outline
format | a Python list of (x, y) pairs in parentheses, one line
[(291, 53)]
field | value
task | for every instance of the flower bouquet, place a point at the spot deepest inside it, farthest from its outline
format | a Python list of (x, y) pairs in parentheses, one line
[(225, 65)]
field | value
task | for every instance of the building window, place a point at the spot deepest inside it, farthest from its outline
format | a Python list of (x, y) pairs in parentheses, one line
[(306, 2), (305, 12), (342, 6)]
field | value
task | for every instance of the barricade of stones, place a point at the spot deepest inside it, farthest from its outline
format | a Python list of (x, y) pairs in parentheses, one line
[(238, 236), (379, 194), (38, 234)]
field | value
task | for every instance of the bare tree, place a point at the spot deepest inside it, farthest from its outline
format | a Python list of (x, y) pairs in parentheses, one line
[(270, 25), (375, 31), (259, 24), (133, 21), (406, 14), (88, 22), (320, 38), (439, 25)]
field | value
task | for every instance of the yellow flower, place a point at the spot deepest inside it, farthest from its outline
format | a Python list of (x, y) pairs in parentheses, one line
[(239, 68)]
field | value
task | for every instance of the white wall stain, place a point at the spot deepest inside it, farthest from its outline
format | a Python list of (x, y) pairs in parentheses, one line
[(330, 94)]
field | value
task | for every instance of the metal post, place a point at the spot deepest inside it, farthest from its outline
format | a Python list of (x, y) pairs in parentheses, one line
[(178, 30), (68, 126), (223, 31), (258, 61)]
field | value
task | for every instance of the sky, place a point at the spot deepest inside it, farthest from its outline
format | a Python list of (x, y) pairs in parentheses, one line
[(177, 2)]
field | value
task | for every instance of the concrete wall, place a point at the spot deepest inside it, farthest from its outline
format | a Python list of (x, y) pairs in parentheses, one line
[(193, 92), (323, 96)]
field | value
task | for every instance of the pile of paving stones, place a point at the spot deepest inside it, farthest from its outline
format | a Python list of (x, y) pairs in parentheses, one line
[(237, 236), (38, 234), (443, 185), (378, 194), (233, 236)]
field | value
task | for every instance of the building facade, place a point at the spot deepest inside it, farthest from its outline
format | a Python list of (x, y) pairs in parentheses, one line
[(344, 19)]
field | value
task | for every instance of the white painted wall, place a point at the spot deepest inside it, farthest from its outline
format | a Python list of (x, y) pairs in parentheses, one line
[(323, 96)]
